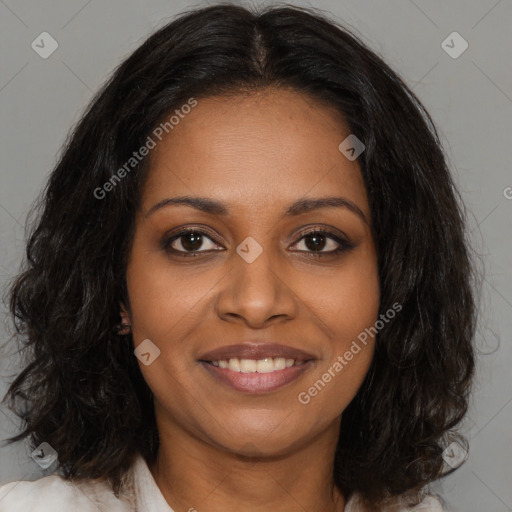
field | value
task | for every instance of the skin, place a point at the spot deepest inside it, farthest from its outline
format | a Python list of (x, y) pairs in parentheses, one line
[(223, 449)]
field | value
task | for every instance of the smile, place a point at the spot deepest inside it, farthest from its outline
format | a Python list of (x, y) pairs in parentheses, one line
[(256, 376), (266, 365)]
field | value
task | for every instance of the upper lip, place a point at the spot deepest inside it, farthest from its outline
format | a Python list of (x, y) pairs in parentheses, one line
[(255, 350)]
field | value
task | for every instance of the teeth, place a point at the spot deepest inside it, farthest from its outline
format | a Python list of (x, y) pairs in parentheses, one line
[(248, 365), (234, 364), (266, 365)]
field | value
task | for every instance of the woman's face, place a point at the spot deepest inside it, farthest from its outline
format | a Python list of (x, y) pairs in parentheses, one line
[(253, 273)]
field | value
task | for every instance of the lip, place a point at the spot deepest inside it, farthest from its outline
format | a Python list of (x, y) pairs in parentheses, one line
[(256, 383), (253, 349)]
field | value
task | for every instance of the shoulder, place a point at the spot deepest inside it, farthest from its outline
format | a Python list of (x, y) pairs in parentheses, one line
[(55, 494), (429, 503)]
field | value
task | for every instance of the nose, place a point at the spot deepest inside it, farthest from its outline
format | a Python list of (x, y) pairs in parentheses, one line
[(257, 291)]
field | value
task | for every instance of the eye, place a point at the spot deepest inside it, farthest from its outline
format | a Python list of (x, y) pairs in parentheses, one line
[(316, 240), (188, 242)]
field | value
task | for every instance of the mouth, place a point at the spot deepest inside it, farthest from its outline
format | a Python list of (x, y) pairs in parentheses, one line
[(254, 367), (265, 365)]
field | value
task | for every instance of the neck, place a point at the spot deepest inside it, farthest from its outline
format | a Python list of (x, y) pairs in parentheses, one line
[(194, 475)]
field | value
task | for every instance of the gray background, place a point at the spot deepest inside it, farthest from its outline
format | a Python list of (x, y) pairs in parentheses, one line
[(469, 98)]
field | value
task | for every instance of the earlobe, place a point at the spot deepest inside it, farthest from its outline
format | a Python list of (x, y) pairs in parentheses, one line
[(125, 326)]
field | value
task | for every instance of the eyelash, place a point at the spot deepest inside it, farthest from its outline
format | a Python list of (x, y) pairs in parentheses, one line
[(344, 245)]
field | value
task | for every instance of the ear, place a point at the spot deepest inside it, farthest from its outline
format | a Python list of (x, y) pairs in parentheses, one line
[(125, 317), (125, 326)]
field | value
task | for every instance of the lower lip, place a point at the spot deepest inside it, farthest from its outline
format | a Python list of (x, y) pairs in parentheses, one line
[(257, 382)]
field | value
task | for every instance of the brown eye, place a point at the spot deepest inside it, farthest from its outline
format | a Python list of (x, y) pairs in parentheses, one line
[(189, 241), (321, 242)]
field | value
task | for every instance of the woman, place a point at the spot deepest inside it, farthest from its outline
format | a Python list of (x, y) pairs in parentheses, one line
[(249, 287)]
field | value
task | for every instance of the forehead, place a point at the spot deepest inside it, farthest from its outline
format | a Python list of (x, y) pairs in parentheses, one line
[(267, 147)]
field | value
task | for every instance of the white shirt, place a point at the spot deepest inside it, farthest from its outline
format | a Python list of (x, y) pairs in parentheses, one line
[(54, 494)]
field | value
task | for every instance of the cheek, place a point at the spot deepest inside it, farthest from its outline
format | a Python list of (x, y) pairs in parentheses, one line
[(162, 298), (338, 376), (332, 388), (357, 306), (346, 301), (348, 305)]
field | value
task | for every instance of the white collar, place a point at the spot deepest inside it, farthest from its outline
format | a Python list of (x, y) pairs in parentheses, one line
[(149, 498)]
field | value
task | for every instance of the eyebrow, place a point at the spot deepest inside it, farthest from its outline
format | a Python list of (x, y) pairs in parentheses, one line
[(299, 207)]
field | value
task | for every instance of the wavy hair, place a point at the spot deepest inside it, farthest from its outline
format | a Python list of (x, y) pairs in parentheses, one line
[(81, 389)]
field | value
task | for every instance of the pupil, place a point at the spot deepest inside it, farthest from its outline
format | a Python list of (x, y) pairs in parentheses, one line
[(192, 241), (318, 241)]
